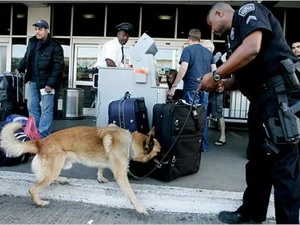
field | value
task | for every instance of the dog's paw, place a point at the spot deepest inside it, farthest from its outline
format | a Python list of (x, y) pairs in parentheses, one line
[(143, 211), (102, 180), (42, 203), (62, 181)]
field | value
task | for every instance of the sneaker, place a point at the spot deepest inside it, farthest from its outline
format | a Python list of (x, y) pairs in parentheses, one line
[(235, 218)]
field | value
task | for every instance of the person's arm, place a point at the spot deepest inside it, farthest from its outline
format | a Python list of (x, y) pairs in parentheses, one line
[(110, 63), (57, 68), (242, 56)]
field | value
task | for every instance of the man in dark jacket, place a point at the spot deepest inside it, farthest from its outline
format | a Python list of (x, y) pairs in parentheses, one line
[(44, 63)]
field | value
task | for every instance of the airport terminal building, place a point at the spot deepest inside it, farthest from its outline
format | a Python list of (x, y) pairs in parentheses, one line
[(82, 27)]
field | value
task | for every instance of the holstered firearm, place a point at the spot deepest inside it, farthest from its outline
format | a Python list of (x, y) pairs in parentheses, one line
[(286, 128)]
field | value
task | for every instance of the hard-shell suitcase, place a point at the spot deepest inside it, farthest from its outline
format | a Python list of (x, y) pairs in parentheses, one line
[(129, 113), (178, 128)]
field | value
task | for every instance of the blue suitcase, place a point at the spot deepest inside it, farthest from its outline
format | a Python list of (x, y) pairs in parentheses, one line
[(129, 113)]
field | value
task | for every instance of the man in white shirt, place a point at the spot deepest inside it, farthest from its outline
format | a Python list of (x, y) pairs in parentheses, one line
[(112, 52)]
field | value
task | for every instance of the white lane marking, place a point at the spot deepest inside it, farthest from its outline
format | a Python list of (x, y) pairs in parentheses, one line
[(153, 197)]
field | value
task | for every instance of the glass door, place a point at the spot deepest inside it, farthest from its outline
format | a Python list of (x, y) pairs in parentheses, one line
[(3, 58), (85, 58)]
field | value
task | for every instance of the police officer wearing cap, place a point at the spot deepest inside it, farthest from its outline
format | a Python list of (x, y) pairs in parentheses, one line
[(43, 63), (259, 66), (112, 52)]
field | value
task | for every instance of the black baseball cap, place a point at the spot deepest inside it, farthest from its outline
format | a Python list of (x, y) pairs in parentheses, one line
[(41, 23)]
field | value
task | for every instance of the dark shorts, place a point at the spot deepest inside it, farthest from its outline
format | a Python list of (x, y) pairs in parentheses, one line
[(217, 106)]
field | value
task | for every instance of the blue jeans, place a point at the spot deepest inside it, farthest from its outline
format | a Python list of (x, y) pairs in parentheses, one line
[(201, 98), (41, 108)]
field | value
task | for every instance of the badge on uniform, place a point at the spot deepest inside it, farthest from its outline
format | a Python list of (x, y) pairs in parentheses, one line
[(244, 10)]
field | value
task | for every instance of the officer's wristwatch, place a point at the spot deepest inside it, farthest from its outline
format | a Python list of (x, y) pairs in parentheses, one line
[(216, 76)]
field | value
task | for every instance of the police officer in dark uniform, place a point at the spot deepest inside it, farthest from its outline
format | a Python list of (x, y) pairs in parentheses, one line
[(262, 68)]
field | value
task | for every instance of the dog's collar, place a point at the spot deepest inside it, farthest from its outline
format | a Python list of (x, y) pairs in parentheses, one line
[(129, 146)]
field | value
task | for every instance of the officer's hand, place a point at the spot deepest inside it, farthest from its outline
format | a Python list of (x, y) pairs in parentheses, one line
[(171, 93), (220, 86), (48, 89), (207, 83)]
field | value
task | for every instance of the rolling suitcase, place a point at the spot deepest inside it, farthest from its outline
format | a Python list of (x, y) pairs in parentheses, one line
[(178, 128), (12, 95), (129, 113)]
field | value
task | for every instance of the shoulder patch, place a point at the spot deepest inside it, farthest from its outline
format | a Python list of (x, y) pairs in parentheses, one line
[(244, 10)]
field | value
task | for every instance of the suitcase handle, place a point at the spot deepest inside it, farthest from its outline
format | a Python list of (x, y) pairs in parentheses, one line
[(127, 95)]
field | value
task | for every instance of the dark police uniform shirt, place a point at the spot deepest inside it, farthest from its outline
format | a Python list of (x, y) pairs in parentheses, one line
[(247, 19)]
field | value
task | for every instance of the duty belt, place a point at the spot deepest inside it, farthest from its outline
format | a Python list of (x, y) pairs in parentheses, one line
[(278, 83)]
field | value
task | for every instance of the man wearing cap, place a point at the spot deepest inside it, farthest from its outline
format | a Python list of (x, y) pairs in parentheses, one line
[(112, 52), (43, 63)]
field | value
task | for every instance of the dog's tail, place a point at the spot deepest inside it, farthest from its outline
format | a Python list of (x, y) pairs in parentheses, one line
[(13, 146)]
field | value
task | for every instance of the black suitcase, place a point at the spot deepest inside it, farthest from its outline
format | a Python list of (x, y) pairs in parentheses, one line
[(129, 113), (12, 89), (178, 128)]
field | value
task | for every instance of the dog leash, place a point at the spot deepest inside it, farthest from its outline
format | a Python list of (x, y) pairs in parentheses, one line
[(159, 163)]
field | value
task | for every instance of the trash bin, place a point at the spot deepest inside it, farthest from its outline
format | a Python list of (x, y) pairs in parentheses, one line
[(73, 103)]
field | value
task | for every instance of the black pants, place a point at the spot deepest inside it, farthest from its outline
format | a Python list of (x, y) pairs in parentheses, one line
[(281, 171)]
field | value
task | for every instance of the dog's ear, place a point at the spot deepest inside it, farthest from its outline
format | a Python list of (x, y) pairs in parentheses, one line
[(151, 132), (149, 142)]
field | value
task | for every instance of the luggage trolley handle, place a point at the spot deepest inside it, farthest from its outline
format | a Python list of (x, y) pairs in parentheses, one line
[(121, 107)]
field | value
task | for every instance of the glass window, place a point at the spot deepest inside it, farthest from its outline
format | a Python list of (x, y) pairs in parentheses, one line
[(88, 19), (193, 16), (126, 13), (166, 59), (18, 51), (65, 44), (61, 14), (291, 33), (279, 14), (5, 19), (86, 58), (220, 47), (3, 50), (19, 20), (159, 20), (89, 96)]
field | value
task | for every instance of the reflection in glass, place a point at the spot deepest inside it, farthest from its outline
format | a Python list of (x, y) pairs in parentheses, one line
[(61, 14), (190, 17), (89, 96), (3, 50), (19, 19), (126, 13), (18, 51), (65, 44), (5, 19), (89, 19), (166, 59), (86, 60), (159, 20)]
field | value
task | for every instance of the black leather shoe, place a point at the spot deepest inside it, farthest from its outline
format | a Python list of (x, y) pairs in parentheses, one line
[(235, 218)]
